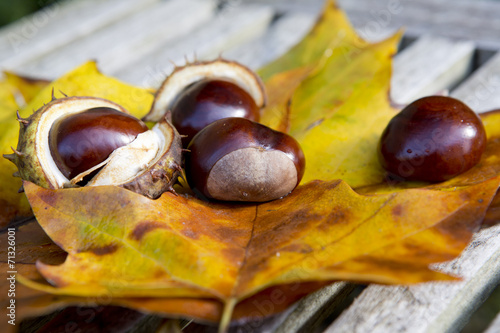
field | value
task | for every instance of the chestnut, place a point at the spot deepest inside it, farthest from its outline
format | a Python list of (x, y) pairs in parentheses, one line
[(236, 159), (207, 101), (82, 140), (432, 139)]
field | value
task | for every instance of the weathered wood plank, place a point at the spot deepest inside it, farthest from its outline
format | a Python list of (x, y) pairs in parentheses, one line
[(224, 32), (429, 65), (377, 19), (482, 90), (178, 22), (120, 43), (429, 307), (306, 315), (310, 313), (280, 37), (59, 24), (467, 20)]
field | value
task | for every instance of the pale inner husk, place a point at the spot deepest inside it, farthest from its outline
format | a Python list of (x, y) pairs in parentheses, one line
[(127, 162), (56, 111), (184, 77)]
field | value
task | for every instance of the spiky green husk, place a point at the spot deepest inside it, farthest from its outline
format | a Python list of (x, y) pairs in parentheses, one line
[(26, 159), (157, 179)]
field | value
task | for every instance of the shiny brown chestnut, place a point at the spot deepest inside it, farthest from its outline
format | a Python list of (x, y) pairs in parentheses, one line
[(236, 159), (207, 101), (81, 141), (432, 139)]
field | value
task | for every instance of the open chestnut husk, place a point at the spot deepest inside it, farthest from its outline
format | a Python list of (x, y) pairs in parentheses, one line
[(199, 93), (432, 139), (90, 141), (236, 159)]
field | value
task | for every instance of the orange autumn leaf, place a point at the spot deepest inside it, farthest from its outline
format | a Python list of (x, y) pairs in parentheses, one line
[(122, 244), (37, 246)]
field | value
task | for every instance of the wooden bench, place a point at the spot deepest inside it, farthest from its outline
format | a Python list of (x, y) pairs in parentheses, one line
[(448, 45)]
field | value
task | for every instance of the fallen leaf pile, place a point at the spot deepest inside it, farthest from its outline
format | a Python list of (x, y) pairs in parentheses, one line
[(180, 256)]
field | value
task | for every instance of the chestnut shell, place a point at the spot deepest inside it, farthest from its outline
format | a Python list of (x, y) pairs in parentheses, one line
[(207, 101), (228, 135), (432, 139)]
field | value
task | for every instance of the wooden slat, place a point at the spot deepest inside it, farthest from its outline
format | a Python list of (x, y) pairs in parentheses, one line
[(281, 36), (482, 90), (314, 7), (429, 65), (178, 22), (310, 313), (52, 27), (226, 31), (429, 307), (467, 20), (120, 43)]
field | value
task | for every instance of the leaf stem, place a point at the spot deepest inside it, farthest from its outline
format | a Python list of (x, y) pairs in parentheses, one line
[(227, 315)]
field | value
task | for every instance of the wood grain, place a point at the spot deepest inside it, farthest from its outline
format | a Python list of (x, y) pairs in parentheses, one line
[(145, 30), (428, 66), (482, 90), (478, 21), (284, 33), (429, 307), (225, 31), (26, 40)]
